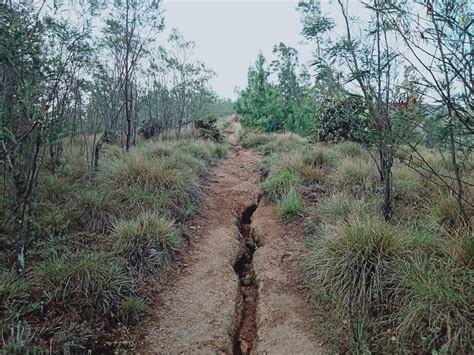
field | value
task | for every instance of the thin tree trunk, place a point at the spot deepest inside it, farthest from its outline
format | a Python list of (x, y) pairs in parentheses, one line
[(452, 144), (128, 115)]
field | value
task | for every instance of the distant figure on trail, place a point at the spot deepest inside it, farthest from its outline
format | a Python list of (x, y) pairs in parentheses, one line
[(235, 117)]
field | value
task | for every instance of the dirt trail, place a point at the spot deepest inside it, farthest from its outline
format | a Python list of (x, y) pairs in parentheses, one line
[(233, 297), (284, 321)]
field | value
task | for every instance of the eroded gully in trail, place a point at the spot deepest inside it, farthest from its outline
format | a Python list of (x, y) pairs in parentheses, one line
[(246, 315), (230, 296)]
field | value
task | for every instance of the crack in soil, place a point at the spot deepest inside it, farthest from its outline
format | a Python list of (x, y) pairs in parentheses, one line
[(246, 331)]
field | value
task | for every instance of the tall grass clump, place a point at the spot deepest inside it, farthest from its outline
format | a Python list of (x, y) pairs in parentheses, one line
[(357, 176), (289, 205), (285, 143), (14, 300), (319, 156), (250, 139), (52, 219), (96, 209), (92, 282), (280, 183), (132, 309), (295, 162), (434, 308), (405, 285), (203, 149), (446, 211), (143, 198), (350, 262), (134, 169), (146, 241), (350, 150), (341, 207), (407, 185), (55, 188)]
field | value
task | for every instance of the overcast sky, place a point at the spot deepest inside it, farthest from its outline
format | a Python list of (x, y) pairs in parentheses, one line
[(230, 33)]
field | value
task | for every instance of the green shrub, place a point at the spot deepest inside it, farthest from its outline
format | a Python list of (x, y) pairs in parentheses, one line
[(342, 119), (90, 281), (434, 306), (280, 183), (146, 241), (350, 262), (132, 309), (289, 205), (208, 129)]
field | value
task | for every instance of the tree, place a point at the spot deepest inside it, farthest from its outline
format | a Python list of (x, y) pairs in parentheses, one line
[(130, 29), (257, 104), (39, 83), (444, 39), (178, 90)]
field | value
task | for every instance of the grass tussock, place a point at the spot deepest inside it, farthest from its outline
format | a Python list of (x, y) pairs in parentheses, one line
[(147, 241), (92, 283), (357, 176), (250, 139), (355, 257), (340, 207), (433, 299), (289, 205), (132, 309), (96, 209), (281, 183)]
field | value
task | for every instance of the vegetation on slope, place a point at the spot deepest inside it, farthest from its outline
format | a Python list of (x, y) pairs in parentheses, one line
[(99, 239), (404, 285)]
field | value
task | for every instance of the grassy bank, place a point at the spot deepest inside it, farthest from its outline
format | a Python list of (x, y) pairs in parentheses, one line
[(401, 286), (99, 240)]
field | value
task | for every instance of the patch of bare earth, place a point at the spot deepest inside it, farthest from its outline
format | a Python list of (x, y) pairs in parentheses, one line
[(284, 321), (235, 295)]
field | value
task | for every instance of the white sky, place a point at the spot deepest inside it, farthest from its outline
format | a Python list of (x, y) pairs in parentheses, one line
[(230, 33)]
